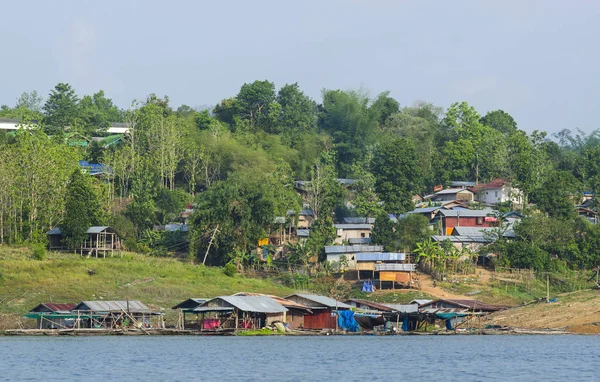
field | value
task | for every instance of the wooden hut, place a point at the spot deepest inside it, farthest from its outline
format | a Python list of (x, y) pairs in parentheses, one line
[(323, 309), (50, 315), (229, 313), (114, 314), (100, 241)]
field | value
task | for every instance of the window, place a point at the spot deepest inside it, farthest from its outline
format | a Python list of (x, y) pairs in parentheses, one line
[(496, 194), (480, 220), (362, 234)]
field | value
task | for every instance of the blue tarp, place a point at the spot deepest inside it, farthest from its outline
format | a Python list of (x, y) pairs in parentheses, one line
[(367, 286), (405, 324), (347, 322)]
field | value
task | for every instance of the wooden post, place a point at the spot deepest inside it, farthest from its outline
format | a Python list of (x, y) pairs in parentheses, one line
[(547, 287)]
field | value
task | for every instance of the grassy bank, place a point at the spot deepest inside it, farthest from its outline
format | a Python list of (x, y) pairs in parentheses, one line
[(159, 282)]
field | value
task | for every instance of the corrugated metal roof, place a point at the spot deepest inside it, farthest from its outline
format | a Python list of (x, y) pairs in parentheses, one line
[(472, 231), (355, 220), (404, 308), (382, 256), (280, 300), (330, 249), (370, 304), (54, 307), (468, 304), (322, 300), (95, 229), (307, 212), (359, 240), (303, 232), (468, 213), (461, 239), (134, 306), (451, 191), (424, 210), (190, 303), (213, 309), (353, 226), (256, 304), (420, 302), (455, 183)]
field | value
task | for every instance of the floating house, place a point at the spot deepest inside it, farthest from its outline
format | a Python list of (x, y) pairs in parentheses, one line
[(294, 318), (51, 315), (187, 307), (232, 313), (113, 314), (323, 309), (100, 240)]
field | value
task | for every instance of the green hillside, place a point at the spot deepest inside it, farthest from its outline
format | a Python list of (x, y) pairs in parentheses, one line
[(159, 282)]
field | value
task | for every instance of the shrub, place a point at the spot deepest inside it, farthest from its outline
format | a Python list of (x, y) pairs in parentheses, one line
[(229, 270), (38, 252)]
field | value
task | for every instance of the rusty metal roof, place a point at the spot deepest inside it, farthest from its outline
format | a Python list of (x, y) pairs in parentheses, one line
[(54, 307)]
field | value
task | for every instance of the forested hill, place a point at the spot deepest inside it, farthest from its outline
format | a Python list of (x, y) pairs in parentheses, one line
[(238, 162)]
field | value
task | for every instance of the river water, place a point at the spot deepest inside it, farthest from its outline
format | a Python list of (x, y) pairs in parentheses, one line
[(349, 358)]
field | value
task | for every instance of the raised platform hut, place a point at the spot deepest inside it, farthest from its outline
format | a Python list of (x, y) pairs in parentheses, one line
[(100, 241), (186, 307)]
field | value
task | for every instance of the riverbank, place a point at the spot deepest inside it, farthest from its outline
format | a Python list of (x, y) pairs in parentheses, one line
[(179, 332)]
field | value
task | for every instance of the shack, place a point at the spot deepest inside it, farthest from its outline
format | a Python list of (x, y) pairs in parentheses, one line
[(229, 313), (324, 310), (50, 315), (100, 240), (456, 311), (114, 314)]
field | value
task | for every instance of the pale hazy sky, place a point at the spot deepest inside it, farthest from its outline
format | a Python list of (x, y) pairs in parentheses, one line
[(537, 60)]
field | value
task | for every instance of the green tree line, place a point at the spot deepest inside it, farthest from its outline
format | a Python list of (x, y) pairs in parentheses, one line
[(238, 163)]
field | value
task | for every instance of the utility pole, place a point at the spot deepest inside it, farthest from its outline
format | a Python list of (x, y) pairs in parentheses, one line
[(209, 244)]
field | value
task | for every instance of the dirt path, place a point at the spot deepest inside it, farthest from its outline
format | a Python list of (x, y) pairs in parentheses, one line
[(427, 287)]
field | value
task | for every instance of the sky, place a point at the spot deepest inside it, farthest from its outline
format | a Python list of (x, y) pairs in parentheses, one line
[(536, 60)]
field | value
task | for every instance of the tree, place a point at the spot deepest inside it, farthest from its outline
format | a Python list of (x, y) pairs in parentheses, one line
[(501, 121), (97, 112), (412, 229), (384, 232), (82, 210), (398, 176), (555, 195), (61, 110), (298, 111)]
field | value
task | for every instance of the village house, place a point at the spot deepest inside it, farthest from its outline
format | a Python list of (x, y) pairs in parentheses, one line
[(467, 218), (305, 218), (232, 313), (346, 232), (51, 315), (588, 214), (100, 241), (460, 305), (498, 191), (462, 184), (323, 309)]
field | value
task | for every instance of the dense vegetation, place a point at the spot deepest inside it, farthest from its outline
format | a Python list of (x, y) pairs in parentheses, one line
[(238, 162)]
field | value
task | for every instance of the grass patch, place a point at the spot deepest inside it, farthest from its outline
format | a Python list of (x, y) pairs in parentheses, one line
[(258, 332)]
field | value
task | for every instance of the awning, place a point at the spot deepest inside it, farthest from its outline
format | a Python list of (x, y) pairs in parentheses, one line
[(202, 309)]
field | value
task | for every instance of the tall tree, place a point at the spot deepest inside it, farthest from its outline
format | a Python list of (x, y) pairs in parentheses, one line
[(398, 176), (61, 109), (82, 210), (501, 121)]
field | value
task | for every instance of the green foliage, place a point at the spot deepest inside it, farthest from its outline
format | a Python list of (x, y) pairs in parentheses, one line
[(229, 270), (384, 232), (61, 109), (398, 176), (38, 252), (82, 210)]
